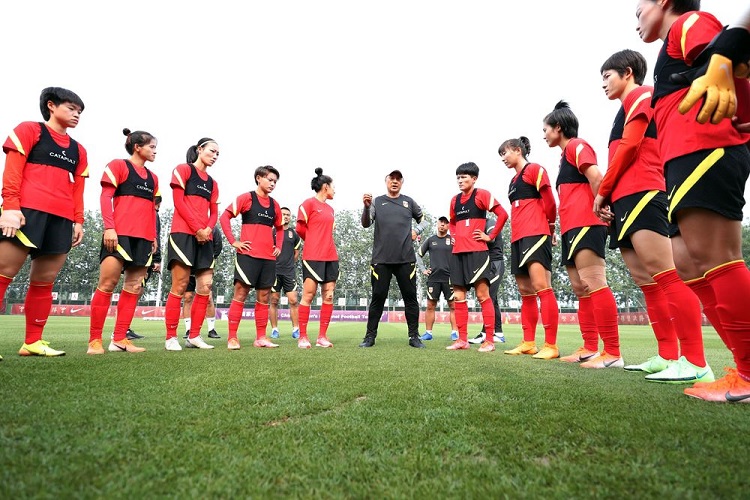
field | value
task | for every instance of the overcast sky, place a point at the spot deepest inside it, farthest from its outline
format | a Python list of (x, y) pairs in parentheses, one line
[(357, 88)]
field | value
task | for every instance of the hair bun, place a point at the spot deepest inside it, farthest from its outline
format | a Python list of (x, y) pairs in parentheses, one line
[(126, 131), (318, 171)]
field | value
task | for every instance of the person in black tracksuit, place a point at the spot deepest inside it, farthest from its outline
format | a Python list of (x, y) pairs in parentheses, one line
[(393, 254)]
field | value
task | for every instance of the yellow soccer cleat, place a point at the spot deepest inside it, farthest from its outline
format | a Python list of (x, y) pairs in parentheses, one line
[(39, 348), (549, 351), (523, 348)]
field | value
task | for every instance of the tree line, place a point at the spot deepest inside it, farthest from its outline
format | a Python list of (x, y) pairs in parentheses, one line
[(354, 243)]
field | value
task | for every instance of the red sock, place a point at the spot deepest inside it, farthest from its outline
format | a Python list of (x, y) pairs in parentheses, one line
[(731, 285), (605, 313), (702, 288), (529, 317), (587, 323), (304, 318), (99, 307), (660, 318), (198, 314), (261, 319), (37, 307), (550, 314), (4, 282), (125, 311), (234, 316), (488, 317), (462, 319), (686, 315), (172, 310), (326, 311)]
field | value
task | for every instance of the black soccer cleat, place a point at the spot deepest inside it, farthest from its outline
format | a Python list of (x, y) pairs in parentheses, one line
[(367, 342), (416, 342)]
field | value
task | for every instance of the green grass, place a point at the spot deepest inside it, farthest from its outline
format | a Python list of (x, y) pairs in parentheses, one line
[(386, 422)]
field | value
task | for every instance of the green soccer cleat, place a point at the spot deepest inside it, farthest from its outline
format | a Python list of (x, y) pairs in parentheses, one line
[(682, 371), (654, 364)]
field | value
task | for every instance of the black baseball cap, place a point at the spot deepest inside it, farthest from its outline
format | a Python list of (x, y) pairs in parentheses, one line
[(396, 174), (443, 219)]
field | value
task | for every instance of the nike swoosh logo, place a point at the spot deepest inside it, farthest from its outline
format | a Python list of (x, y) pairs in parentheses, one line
[(622, 219), (571, 241), (147, 311), (585, 358), (475, 270), (524, 252), (736, 399), (607, 365), (119, 347), (383, 204), (39, 320), (671, 193), (73, 311)]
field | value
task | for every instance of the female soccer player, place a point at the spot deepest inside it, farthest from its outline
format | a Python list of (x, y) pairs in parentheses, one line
[(706, 167), (195, 196), (634, 185), (532, 233), (255, 264), (470, 261), (320, 261), (42, 212), (584, 236), (129, 240)]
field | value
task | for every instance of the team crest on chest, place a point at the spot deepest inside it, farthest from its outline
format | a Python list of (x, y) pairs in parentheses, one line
[(405, 203)]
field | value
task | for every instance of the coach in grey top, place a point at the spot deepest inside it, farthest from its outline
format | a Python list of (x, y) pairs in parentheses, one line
[(393, 254)]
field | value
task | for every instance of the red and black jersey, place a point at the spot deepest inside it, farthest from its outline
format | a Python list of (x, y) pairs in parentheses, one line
[(573, 188), (639, 169), (527, 214), (315, 224), (679, 134), (468, 212), (201, 192), (132, 200), (260, 216), (47, 180)]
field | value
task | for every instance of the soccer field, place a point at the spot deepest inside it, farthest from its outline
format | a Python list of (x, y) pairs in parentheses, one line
[(386, 422)]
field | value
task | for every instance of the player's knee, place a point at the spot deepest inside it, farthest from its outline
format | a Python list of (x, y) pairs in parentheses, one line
[(205, 287)]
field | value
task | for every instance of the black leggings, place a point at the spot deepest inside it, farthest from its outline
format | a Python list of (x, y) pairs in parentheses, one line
[(406, 277)]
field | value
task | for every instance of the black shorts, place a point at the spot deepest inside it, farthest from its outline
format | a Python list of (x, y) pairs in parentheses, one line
[(43, 233), (468, 268), (131, 251), (257, 273), (285, 283), (644, 210), (191, 284), (149, 273), (530, 249), (320, 271), (713, 179), (591, 237), (184, 248), (435, 288)]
